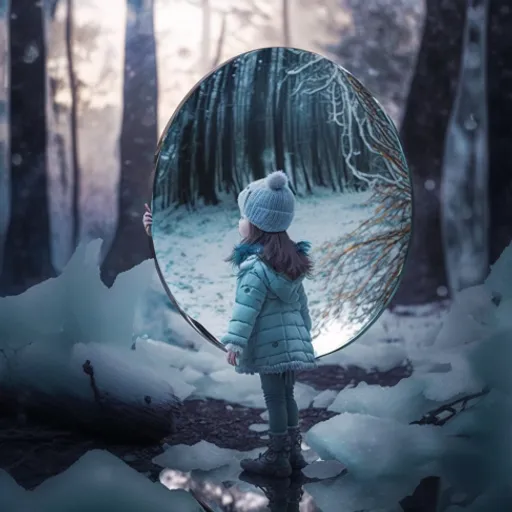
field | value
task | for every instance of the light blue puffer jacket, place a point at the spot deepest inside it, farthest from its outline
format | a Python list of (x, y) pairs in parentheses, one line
[(270, 324)]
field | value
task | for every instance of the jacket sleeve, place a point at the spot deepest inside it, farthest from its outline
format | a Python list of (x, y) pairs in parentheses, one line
[(304, 309), (250, 295)]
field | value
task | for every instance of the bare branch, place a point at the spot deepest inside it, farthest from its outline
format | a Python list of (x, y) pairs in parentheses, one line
[(220, 41)]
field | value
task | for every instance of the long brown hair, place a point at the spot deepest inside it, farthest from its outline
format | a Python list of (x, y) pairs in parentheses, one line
[(280, 252)]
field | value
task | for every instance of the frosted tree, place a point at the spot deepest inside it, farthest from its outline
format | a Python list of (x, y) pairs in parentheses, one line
[(361, 269), (464, 191), (73, 87), (139, 135)]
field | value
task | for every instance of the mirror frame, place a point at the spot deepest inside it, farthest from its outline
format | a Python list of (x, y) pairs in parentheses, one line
[(198, 327)]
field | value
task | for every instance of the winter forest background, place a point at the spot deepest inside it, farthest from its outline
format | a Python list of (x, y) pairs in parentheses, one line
[(89, 86), (77, 156)]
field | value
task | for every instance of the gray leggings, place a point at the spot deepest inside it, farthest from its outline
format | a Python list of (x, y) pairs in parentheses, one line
[(282, 407)]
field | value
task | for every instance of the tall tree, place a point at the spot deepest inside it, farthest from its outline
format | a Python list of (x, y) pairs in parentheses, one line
[(73, 86), (499, 86), (287, 38), (138, 140), (4, 123), (206, 36), (465, 177), (27, 256), (423, 132)]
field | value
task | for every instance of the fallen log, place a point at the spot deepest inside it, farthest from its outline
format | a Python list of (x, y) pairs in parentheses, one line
[(106, 390)]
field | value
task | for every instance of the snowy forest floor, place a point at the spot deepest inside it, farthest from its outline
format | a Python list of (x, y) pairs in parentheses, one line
[(32, 453), (191, 249)]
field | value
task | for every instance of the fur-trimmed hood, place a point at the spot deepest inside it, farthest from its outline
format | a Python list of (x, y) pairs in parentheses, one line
[(246, 256)]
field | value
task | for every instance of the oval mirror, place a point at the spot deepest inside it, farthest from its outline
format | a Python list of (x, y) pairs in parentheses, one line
[(296, 111)]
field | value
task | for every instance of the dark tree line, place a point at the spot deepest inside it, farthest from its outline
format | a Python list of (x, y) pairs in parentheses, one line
[(27, 253), (247, 118)]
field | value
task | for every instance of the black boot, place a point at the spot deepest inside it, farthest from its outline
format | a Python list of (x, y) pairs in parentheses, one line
[(274, 461), (297, 460)]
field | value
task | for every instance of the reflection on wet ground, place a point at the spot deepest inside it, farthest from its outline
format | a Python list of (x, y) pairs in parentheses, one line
[(228, 489), (246, 492)]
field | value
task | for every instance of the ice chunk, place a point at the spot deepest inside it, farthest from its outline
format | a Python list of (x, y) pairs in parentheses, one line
[(119, 371), (190, 375), (259, 427), (324, 469), (75, 306), (458, 380), (349, 493), (373, 447), (500, 278), (13, 497), (304, 395), (202, 455), (203, 361), (497, 498), (469, 319), (325, 398), (491, 361), (245, 390), (232, 387), (100, 481), (381, 355), (403, 402), (503, 315)]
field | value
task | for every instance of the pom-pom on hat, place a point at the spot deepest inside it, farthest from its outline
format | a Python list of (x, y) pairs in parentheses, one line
[(268, 203)]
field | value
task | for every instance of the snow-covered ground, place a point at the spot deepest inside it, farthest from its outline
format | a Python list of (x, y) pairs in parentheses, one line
[(454, 355), (191, 248)]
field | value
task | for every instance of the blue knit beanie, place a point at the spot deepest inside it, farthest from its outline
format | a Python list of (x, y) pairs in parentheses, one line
[(268, 204)]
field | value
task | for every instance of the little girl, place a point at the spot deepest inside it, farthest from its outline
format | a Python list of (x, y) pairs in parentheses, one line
[(269, 331)]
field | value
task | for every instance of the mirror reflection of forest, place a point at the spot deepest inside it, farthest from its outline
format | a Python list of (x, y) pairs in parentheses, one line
[(293, 110)]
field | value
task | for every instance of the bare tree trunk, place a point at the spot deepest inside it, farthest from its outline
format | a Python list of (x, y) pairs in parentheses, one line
[(139, 136), (423, 131), (206, 37), (75, 166), (220, 42), (499, 86), (4, 125), (27, 257), (464, 191), (287, 38)]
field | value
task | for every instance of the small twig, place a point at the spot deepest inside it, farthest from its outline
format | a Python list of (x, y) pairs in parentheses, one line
[(432, 417), (89, 370)]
